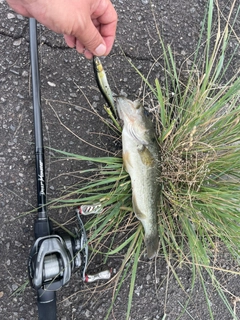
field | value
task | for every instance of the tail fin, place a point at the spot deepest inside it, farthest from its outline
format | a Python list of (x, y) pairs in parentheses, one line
[(152, 244)]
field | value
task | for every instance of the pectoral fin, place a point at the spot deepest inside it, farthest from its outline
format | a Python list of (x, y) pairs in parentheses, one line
[(146, 156)]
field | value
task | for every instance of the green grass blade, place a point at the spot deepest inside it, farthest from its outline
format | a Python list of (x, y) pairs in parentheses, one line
[(134, 272)]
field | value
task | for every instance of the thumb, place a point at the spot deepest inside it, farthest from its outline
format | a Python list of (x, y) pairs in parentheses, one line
[(91, 39)]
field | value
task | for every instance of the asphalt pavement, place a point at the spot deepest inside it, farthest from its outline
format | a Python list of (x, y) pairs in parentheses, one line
[(69, 92)]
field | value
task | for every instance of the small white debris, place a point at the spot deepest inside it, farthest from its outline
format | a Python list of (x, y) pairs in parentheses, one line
[(17, 42), (148, 277), (10, 16), (51, 84), (14, 286), (25, 74), (88, 313), (20, 17), (138, 289)]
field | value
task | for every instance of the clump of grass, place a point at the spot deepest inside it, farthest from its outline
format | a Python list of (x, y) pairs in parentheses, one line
[(198, 130)]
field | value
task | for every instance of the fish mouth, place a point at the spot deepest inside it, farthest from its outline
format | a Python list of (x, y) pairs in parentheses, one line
[(120, 100), (125, 108), (120, 107)]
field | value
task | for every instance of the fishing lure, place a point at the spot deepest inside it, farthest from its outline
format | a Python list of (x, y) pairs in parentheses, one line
[(103, 84)]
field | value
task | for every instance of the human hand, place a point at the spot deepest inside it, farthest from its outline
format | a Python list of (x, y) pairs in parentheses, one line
[(88, 25)]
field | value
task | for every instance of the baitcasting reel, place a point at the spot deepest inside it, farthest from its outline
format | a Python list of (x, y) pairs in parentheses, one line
[(53, 258)]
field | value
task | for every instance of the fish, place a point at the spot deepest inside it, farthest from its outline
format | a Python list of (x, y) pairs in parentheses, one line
[(141, 159), (103, 84)]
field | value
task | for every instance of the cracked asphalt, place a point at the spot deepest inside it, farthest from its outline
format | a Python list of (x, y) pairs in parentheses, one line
[(69, 94)]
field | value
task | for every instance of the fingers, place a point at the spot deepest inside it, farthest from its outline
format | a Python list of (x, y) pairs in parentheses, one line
[(108, 35), (90, 42), (18, 7), (88, 25), (70, 41), (105, 20), (88, 54), (99, 30), (90, 38)]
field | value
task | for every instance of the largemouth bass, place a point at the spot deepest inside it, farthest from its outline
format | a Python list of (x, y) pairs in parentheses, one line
[(141, 159)]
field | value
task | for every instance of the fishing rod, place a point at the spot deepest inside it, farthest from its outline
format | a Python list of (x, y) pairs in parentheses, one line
[(53, 257), (42, 226)]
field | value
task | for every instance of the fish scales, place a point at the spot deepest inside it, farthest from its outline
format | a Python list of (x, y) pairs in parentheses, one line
[(141, 158)]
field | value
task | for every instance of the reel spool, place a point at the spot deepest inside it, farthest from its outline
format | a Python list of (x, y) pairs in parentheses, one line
[(54, 258)]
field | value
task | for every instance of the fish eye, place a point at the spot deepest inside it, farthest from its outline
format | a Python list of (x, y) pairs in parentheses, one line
[(137, 104)]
